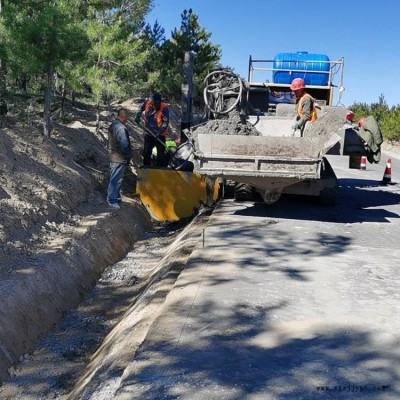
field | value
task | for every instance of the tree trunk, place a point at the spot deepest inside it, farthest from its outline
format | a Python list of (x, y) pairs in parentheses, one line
[(187, 94), (63, 96), (47, 124), (97, 116), (22, 83)]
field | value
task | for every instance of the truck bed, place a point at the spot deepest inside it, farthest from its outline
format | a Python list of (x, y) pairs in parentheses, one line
[(239, 157)]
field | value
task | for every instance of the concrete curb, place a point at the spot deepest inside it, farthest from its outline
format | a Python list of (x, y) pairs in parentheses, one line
[(123, 341)]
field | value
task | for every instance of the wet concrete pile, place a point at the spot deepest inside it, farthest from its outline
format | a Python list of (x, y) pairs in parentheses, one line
[(330, 120), (232, 123)]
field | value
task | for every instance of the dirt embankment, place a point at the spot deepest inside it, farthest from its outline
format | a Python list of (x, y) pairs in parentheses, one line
[(57, 233)]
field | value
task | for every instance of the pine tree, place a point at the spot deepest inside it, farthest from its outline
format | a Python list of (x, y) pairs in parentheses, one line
[(191, 37), (116, 53), (40, 37)]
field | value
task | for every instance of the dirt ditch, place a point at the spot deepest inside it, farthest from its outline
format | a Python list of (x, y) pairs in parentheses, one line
[(126, 298), (38, 293), (57, 233)]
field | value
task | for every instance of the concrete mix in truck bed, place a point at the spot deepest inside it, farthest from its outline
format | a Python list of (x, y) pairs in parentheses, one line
[(330, 119), (232, 124)]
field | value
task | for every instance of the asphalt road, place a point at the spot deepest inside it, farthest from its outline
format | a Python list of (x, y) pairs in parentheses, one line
[(289, 301)]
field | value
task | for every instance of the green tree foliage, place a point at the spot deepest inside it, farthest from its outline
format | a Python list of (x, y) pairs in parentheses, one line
[(116, 53), (190, 37), (391, 125), (41, 35), (98, 48), (90, 46), (147, 78)]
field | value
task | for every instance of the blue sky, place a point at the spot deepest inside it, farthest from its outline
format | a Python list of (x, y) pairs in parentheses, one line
[(365, 33)]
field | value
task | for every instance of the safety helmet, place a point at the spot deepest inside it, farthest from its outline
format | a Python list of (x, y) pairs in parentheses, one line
[(361, 121), (297, 84), (350, 116)]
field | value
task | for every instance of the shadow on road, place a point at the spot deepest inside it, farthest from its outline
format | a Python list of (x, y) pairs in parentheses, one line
[(359, 201), (245, 355)]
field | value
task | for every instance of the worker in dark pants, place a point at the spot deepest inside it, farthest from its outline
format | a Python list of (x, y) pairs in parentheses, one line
[(156, 119), (119, 155)]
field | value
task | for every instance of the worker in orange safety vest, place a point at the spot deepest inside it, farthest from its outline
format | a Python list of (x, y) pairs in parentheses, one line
[(306, 105), (155, 114)]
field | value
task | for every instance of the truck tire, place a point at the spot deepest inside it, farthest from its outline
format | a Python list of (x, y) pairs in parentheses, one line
[(244, 192), (329, 195)]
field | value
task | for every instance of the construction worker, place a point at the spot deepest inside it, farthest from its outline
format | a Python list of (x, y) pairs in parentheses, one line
[(371, 135), (350, 117), (119, 156), (349, 120), (156, 120), (305, 105)]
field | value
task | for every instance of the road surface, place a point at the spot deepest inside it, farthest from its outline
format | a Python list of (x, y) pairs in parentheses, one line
[(289, 301)]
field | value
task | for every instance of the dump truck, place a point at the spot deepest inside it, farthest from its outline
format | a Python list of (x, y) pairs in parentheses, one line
[(277, 159), (247, 141)]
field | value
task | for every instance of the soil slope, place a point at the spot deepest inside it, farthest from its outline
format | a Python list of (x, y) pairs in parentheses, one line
[(57, 233)]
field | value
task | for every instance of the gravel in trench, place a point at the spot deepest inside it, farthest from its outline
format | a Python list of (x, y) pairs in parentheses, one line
[(52, 370)]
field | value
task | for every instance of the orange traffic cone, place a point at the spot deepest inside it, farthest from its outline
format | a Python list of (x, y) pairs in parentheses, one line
[(363, 163), (387, 176)]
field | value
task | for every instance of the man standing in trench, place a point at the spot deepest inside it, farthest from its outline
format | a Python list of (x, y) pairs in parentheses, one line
[(156, 120), (305, 105), (119, 156)]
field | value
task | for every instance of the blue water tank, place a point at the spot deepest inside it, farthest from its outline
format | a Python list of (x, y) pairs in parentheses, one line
[(313, 68)]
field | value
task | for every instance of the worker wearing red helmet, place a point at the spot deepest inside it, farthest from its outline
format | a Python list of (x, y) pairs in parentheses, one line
[(349, 121), (350, 116), (305, 104)]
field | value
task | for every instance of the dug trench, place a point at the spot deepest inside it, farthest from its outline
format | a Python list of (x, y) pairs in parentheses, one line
[(61, 274), (125, 300), (38, 295), (52, 222)]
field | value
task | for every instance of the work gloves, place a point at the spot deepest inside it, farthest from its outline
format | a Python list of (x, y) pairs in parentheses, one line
[(296, 126), (137, 119)]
